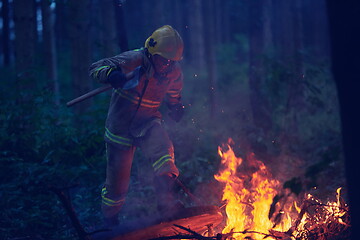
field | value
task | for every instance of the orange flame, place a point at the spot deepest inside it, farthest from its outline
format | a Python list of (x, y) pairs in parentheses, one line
[(249, 194)]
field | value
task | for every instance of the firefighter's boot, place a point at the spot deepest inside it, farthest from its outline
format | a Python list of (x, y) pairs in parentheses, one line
[(168, 203)]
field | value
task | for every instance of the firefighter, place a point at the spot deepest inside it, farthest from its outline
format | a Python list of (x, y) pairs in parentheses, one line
[(134, 120)]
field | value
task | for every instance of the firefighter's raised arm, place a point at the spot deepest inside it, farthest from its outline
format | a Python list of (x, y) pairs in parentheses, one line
[(111, 70)]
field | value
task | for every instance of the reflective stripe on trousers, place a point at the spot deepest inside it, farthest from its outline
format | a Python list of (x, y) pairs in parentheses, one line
[(155, 145), (116, 139), (110, 202), (161, 161)]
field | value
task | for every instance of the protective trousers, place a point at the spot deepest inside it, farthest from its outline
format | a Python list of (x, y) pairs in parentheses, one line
[(155, 145)]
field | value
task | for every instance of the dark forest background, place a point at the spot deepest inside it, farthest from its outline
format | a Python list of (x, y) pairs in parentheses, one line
[(256, 71)]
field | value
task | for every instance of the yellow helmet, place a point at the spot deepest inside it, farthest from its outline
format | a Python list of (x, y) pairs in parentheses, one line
[(166, 42)]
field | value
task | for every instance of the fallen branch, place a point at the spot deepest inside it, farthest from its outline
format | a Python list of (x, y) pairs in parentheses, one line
[(219, 236), (184, 236), (188, 229), (194, 235), (83, 235)]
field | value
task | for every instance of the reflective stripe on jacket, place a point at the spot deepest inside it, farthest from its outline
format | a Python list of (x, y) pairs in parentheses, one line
[(135, 99)]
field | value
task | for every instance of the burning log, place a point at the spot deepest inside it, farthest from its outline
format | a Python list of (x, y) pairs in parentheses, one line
[(157, 227)]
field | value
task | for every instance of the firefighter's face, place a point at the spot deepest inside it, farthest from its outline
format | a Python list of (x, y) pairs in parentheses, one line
[(161, 64)]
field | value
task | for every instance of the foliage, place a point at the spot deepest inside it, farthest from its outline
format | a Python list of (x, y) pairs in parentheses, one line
[(233, 63), (40, 147)]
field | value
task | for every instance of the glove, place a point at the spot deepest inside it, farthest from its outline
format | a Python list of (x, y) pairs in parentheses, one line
[(176, 112), (117, 79)]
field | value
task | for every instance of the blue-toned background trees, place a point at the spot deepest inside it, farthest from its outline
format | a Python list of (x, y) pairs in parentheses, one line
[(255, 71)]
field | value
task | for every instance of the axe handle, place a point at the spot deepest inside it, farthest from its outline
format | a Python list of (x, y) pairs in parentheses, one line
[(193, 198), (88, 95), (95, 92)]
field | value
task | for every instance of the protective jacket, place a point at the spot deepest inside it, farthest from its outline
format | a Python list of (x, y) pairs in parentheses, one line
[(134, 110)]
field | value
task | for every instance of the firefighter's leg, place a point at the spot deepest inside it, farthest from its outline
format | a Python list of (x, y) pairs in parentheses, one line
[(168, 202), (117, 181), (157, 146)]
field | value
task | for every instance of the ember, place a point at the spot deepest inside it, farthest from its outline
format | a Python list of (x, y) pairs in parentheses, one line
[(258, 207)]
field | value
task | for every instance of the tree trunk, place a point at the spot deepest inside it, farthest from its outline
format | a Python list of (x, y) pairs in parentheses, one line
[(288, 41), (296, 98), (107, 28), (316, 32), (292, 46), (224, 30), (321, 31), (79, 27), (196, 28), (6, 32), (180, 20), (50, 54), (211, 30), (25, 43), (178, 15), (286, 28), (268, 36), (217, 20), (36, 8), (158, 11), (259, 102), (120, 26), (344, 23), (62, 24)]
